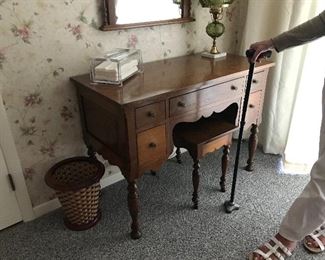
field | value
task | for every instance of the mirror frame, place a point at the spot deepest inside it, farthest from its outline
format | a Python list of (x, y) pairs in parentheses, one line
[(109, 23)]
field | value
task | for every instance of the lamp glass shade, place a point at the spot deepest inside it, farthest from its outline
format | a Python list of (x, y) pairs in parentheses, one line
[(215, 29), (210, 3), (228, 2), (178, 2), (216, 2)]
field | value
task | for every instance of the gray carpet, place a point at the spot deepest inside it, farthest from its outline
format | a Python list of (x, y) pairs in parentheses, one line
[(171, 229)]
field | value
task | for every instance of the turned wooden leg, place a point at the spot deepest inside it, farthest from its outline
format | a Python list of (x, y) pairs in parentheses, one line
[(224, 166), (133, 202), (178, 155), (196, 181), (252, 145)]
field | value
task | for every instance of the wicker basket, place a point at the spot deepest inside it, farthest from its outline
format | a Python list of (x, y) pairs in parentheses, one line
[(76, 182)]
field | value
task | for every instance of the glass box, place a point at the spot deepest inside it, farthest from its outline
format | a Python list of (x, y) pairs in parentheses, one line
[(116, 66)]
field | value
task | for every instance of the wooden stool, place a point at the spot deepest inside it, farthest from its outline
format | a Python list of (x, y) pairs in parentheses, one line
[(199, 138)]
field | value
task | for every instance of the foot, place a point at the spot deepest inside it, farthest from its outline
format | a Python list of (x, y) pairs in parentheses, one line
[(315, 242), (290, 245)]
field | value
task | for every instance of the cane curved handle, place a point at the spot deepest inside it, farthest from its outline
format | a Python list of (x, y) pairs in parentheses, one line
[(264, 55)]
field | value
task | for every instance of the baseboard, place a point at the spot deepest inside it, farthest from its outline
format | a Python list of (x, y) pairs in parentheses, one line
[(111, 179), (46, 207), (54, 204)]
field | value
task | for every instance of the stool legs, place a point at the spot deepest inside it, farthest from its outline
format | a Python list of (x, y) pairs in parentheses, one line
[(196, 173), (178, 155), (196, 181), (224, 166)]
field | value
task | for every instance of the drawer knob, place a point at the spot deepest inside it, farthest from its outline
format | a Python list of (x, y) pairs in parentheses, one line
[(233, 87), (151, 114), (251, 106), (180, 104), (255, 81), (152, 145)]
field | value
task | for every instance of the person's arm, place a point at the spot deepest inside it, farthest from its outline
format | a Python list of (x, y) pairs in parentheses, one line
[(301, 34), (306, 32)]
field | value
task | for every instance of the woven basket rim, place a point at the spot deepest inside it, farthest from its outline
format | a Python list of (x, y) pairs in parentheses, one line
[(56, 185)]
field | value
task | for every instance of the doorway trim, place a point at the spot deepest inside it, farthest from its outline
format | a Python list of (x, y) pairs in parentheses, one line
[(14, 166)]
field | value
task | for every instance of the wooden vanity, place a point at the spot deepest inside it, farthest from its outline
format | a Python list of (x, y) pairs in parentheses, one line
[(131, 126)]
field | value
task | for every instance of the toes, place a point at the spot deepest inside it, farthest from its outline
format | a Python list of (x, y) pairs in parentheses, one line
[(256, 257), (311, 242)]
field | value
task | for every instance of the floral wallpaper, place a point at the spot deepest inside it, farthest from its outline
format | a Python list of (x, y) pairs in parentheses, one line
[(44, 42)]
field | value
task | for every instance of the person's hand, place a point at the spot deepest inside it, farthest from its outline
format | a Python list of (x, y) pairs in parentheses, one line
[(259, 48)]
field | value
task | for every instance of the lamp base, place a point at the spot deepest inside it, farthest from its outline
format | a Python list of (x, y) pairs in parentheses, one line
[(214, 56)]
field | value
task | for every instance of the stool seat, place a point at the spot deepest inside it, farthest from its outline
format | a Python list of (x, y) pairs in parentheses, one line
[(201, 137), (202, 131)]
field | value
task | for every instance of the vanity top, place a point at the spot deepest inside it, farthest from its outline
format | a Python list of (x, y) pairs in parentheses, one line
[(182, 74)]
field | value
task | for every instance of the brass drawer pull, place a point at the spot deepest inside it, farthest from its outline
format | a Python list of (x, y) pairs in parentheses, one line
[(233, 87), (151, 114), (255, 81), (251, 106), (152, 145), (180, 104)]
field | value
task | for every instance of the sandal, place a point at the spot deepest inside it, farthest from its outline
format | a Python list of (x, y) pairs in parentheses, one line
[(315, 236), (273, 250)]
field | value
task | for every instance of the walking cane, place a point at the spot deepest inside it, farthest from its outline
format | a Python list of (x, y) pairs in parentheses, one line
[(230, 205)]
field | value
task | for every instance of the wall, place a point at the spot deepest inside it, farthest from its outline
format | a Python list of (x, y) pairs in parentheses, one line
[(45, 42)]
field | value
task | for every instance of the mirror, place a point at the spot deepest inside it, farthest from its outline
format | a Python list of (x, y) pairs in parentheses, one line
[(126, 14), (163, 10)]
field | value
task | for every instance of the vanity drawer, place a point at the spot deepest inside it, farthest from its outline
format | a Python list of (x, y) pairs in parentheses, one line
[(259, 80), (200, 98), (151, 145), (254, 108), (150, 115)]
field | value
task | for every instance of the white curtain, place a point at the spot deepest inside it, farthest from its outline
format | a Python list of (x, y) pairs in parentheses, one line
[(287, 127)]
